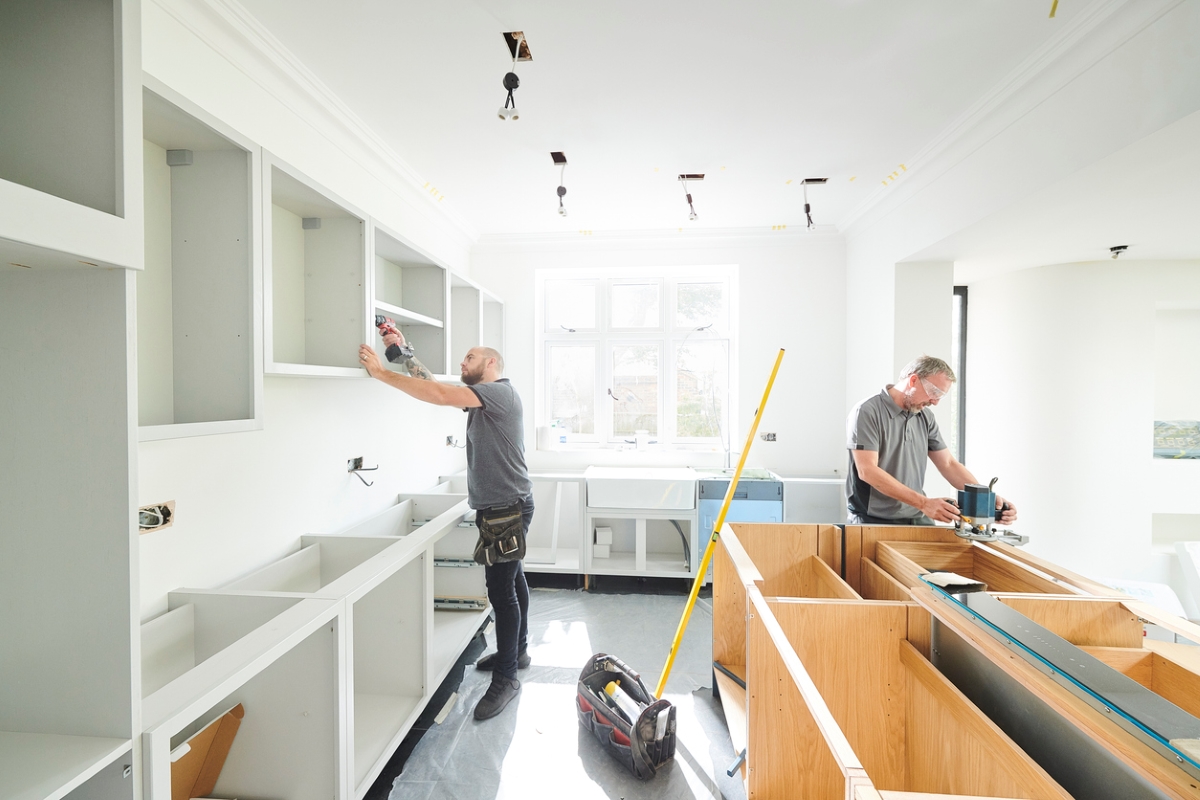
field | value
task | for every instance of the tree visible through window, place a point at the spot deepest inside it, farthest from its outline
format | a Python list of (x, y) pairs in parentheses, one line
[(627, 352)]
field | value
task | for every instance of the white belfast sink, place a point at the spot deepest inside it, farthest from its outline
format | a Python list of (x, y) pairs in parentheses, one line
[(665, 488)]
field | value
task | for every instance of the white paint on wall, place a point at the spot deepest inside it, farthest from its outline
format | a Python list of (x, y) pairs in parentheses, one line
[(791, 295), (1067, 421), (244, 499), (155, 339), (1176, 360)]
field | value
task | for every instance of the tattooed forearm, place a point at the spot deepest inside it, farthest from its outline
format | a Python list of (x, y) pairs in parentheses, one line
[(418, 370)]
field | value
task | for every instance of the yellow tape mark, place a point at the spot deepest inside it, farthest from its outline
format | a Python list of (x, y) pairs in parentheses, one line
[(1053, 9), (852, 177)]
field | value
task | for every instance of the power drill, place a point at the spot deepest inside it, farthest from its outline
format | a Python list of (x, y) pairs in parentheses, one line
[(394, 352)]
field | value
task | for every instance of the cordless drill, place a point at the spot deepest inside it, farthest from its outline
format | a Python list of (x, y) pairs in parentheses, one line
[(395, 352)]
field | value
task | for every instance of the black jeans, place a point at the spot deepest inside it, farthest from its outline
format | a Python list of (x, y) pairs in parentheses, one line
[(509, 595)]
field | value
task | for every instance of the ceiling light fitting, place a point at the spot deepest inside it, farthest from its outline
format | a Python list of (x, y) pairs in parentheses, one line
[(807, 208), (560, 160), (519, 49), (684, 178), (1118, 250)]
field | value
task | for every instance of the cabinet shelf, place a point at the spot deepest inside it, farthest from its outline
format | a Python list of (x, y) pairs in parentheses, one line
[(452, 630), (411, 288), (402, 315), (43, 766)]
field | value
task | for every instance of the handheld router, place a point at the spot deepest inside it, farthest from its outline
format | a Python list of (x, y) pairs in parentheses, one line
[(395, 353), (978, 514)]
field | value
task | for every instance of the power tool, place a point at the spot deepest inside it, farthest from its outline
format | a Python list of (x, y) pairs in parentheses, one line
[(395, 352), (978, 513)]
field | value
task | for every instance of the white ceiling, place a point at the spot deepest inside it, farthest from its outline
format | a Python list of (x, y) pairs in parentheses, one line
[(1144, 196), (635, 92)]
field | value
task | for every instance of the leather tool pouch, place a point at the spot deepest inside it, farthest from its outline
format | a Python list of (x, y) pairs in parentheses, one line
[(501, 535)]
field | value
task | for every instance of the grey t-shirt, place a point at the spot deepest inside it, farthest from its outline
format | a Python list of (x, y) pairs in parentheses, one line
[(496, 473), (903, 441)]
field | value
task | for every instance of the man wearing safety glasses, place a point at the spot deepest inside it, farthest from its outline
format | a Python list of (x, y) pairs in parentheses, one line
[(890, 435)]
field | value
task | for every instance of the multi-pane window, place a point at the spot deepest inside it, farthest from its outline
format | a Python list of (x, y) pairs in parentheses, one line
[(625, 353)]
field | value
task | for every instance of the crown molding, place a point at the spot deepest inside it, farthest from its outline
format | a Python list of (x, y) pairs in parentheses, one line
[(1102, 27), (658, 237), (234, 33)]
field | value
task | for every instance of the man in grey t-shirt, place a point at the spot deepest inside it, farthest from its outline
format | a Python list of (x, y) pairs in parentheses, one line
[(889, 436), (496, 477)]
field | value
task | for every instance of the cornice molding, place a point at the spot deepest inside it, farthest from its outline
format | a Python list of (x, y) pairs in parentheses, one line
[(1098, 30), (231, 31), (660, 237)]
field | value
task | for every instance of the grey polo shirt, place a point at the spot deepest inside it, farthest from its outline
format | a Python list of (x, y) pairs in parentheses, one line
[(496, 473), (903, 441)]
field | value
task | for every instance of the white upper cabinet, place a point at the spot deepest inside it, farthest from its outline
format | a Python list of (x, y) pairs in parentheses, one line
[(315, 277), (199, 361), (410, 289), (70, 133)]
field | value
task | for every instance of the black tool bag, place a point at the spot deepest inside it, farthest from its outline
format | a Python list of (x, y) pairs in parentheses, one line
[(643, 744), (501, 535)]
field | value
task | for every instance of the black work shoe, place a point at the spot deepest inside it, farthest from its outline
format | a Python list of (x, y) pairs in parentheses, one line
[(488, 662), (497, 696)]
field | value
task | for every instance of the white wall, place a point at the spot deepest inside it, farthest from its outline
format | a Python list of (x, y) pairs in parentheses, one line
[(1130, 76), (791, 293), (1176, 356), (244, 499), (1067, 420)]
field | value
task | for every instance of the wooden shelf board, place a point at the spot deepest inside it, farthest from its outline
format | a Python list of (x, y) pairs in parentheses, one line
[(379, 719), (44, 766), (404, 316), (733, 703)]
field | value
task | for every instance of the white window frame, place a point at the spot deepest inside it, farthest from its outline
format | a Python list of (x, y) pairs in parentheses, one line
[(666, 336)]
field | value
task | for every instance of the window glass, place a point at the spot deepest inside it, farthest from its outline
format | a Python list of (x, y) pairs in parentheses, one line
[(701, 386), (700, 304), (635, 305), (635, 388), (570, 304), (572, 381)]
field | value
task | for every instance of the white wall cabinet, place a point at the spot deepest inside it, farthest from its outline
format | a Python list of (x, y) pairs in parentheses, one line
[(70, 193), (199, 296), (333, 651), (315, 276), (410, 288), (68, 560)]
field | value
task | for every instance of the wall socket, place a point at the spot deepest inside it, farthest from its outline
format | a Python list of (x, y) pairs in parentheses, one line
[(451, 441), (767, 437)]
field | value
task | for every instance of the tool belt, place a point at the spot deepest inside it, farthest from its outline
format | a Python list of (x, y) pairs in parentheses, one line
[(642, 744), (501, 535)]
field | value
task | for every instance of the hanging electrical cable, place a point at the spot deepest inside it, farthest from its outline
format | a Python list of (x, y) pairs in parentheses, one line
[(684, 178), (560, 159), (808, 208), (520, 52)]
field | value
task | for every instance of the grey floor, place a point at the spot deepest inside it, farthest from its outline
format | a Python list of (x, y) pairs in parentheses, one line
[(536, 749)]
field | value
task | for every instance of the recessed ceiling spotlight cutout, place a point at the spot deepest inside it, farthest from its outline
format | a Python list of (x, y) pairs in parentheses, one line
[(684, 178), (519, 49), (1118, 250), (560, 160), (807, 208)]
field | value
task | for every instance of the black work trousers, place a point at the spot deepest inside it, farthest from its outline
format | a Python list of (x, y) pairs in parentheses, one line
[(509, 595)]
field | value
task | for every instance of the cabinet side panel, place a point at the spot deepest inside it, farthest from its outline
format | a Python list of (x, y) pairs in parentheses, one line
[(66, 521), (210, 256), (156, 350)]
